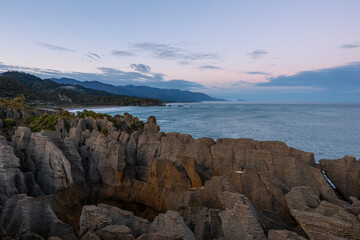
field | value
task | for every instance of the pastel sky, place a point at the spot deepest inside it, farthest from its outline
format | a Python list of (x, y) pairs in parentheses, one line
[(258, 50)]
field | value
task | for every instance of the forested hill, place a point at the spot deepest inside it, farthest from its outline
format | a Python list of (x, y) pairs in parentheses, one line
[(46, 91), (167, 95)]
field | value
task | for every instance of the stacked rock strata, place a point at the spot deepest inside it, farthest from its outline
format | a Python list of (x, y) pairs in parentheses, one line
[(140, 183)]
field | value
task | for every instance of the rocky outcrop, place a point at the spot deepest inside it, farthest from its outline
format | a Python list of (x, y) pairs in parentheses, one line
[(344, 174), (23, 214), (318, 226), (114, 178), (12, 180), (109, 222), (239, 219)]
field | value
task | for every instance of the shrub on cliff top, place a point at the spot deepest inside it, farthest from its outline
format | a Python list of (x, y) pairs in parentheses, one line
[(105, 131), (45, 122), (8, 124), (17, 102)]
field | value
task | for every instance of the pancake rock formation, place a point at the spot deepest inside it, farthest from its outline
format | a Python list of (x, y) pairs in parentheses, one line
[(92, 178)]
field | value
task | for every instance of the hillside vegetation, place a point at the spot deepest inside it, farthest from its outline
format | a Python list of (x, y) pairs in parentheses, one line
[(39, 91)]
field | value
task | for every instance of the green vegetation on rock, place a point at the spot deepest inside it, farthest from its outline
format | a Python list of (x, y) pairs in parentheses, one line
[(45, 122), (8, 124), (17, 103)]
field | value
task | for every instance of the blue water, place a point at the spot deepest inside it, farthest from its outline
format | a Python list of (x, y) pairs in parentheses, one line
[(328, 130)]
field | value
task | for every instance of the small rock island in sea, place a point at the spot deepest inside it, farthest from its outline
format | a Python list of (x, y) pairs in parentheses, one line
[(94, 176)]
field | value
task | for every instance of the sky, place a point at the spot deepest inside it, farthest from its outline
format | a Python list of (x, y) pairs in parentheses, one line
[(256, 50)]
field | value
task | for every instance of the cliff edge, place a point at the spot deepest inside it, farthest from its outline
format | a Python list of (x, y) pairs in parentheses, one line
[(94, 176)]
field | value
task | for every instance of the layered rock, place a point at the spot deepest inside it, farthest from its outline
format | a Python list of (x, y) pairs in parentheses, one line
[(344, 174), (109, 222), (12, 180), (239, 219), (185, 188), (23, 215)]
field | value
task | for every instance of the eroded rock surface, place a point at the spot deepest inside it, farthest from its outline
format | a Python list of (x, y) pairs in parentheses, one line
[(344, 174), (23, 214), (168, 185)]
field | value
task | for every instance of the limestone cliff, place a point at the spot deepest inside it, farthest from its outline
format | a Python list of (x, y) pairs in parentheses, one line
[(101, 178)]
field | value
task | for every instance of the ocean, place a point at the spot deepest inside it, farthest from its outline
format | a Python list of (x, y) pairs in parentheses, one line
[(329, 130)]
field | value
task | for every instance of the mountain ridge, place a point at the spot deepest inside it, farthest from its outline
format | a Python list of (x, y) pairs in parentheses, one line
[(14, 84), (167, 95)]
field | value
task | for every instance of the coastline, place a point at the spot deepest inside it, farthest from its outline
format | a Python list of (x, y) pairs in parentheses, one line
[(128, 179), (327, 130)]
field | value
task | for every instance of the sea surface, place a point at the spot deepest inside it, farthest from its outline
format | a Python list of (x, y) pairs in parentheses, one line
[(328, 130)]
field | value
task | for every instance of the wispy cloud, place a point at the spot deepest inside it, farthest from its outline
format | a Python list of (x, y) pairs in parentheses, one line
[(93, 57), (167, 51), (184, 62), (53, 47), (210, 67), (119, 53), (258, 73), (256, 54), (350, 45), (141, 68)]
